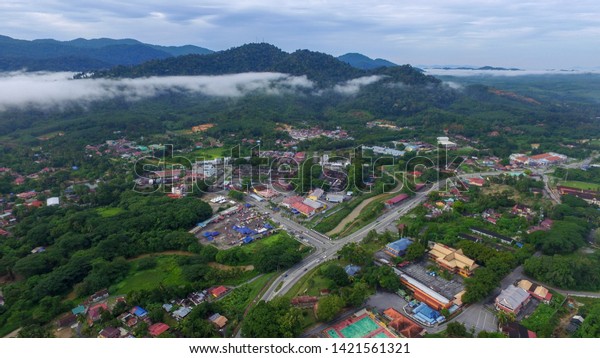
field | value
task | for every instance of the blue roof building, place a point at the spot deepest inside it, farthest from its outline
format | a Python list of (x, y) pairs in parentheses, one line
[(352, 270), (399, 247), (139, 311)]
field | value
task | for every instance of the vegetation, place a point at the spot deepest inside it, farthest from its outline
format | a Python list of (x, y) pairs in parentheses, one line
[(273, 319)]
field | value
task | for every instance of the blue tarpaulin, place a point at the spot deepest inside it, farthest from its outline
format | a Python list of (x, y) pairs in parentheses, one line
[(248, 240)]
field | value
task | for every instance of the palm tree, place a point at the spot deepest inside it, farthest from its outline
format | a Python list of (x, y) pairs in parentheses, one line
[(505, 317)]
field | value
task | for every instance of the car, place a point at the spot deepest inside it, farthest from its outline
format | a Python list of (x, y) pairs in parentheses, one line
[(305, 269), (286, 275)]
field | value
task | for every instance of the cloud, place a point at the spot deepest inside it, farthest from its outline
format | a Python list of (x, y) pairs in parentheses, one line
[(353, 86), (58, 89), (499, 73)]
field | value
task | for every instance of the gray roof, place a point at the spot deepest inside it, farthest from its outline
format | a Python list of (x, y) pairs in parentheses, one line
[(512, 297)]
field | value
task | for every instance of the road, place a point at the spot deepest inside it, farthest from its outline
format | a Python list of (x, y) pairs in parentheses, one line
[(326, 248)]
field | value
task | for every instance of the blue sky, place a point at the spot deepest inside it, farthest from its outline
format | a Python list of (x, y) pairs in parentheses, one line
[(531, 34)]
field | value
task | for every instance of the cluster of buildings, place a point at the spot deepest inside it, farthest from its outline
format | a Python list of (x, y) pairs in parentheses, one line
[(538, 160), (315, 132), (515, 297), (382, 123), (122, 148), (590, 196), (309, 205)]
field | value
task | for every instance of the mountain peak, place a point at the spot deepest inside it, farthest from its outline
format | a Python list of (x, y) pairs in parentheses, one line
[(363, 62)]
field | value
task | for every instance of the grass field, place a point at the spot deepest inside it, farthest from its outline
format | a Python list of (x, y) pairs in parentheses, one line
[(266, 242), (581, 185), (237, 301), (166, 272), (310, 284), (109, 212), (208, 153)]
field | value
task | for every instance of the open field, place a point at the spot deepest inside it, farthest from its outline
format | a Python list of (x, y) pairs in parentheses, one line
[(166, 272), (581, 185)]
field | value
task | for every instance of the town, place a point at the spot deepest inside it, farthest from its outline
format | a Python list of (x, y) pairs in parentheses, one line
[(375, 241)]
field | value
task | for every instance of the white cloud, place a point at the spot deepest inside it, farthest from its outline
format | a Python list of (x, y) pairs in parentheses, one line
[(353, 86), (43, 89)]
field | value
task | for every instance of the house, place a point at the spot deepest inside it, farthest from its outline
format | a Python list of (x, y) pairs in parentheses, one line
[(181, 313), (157, 329), (217, 292), (38, 250), (476, 181), (99, 296), (574, 324), (78, 310), (396, 200), (522, 211), (515, 330), (352, 270), (304, 301), (95, 311), (535, 290), (110, 332), (167, 307), (469, 237), (492, 235), (398, 248), (139, 311), (403, 326), (4, 232), (316, 194), (53, 201), (512, 299), (218, 320), (291, 200), (66, 320), (452, 260)]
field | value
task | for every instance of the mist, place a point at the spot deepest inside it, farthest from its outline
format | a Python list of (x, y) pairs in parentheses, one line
[(49, 90)]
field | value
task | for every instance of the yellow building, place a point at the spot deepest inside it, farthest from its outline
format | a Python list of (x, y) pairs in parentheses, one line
[(452, 260)]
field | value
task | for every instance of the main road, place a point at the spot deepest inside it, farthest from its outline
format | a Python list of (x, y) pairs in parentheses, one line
[(327, 248)]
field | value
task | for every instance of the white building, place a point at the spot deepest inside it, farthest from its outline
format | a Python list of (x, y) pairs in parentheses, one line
[(53, 201)]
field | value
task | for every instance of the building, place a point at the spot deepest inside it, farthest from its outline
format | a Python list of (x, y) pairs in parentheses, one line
[(66, 320), (424, 293), (109, 332), (303, 209), (217, 292), (53, 201), (95, 311), (316, 194), (476, 181), (492, 235), (335, 198), (291, 200), (352, 270), (398, 248), (396, 200), (515, 330), (181, 313), (446, 143), (512, 299), (535, 290), (157, 329), (304, 301), (402, 325), (218, 320), (590, 196), (452, 260)]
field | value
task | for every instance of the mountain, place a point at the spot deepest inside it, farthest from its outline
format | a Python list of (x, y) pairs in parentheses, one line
[(83, 55), (363, 62), (321, 68)]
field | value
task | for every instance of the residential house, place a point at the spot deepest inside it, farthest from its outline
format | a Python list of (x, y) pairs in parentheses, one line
[(574, 324), (522, 211), (217, 292), (66, 320), (352, 270), (303, 209), (452, 260), (335, 198), (538, 291), (218, 320), (304, 301), (181, 312), (110, 332), (512, 299), (95, 311), (139, 312), (157, 329), (516, 330)]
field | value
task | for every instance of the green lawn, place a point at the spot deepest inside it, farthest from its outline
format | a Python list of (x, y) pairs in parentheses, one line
[(109, 212), (310, 284), (166, 272), (266, 242), (208, 153), (542, 321), (581, 185)]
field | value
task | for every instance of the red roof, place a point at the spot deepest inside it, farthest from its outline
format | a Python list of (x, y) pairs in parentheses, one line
[(94, 311), (397, 199), (477, 181), (218, 291), (157, 329), (36, 203), (303, 208), (4, 232)]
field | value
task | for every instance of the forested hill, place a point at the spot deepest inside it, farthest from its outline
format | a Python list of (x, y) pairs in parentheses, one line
[(324, 69), (81, 54)]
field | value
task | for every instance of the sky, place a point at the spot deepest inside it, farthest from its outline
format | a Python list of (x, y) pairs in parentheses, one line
[(529, 34)]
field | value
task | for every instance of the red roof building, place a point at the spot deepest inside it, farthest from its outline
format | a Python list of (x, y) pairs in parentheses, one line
[(95, 311), (395, 200), (218, 291), (476, 181), (304, 209), (157, 329)]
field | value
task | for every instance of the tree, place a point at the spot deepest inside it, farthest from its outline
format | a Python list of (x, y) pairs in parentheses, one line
[(337, 274), (357, 294), (35, 331), (455, 329), (415, 252), (329, 307), (273, 319), (505, 318)]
